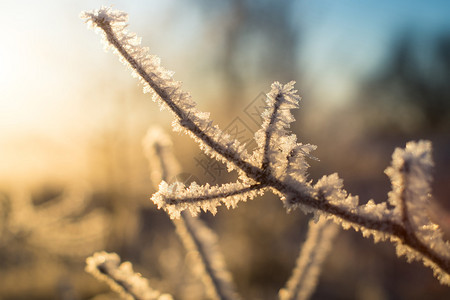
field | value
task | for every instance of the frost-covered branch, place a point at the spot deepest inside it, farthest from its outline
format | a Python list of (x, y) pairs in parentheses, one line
[(309, 263), (210, 263), (175, 198), (279, 163), (273, 137), (167, 91), (157, 147), (121, 277), (197, 238)]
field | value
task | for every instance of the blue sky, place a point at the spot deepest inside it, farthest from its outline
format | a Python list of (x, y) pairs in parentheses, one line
[(346, 39)]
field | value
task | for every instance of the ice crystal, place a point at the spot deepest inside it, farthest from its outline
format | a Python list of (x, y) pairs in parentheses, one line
[(273, 140), (410, 175), (175, 198)]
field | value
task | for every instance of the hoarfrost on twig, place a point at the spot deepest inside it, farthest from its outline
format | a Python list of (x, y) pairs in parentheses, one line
[(121, 277), (197, 238), (279, 163), (304, 278)]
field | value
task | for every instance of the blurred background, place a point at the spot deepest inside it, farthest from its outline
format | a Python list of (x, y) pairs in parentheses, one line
[(74, 180)]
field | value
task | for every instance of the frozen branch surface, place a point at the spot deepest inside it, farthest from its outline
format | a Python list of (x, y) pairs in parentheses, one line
[(304, 278), (121, 277), (199, 240), (209, 261), (279, 163)]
